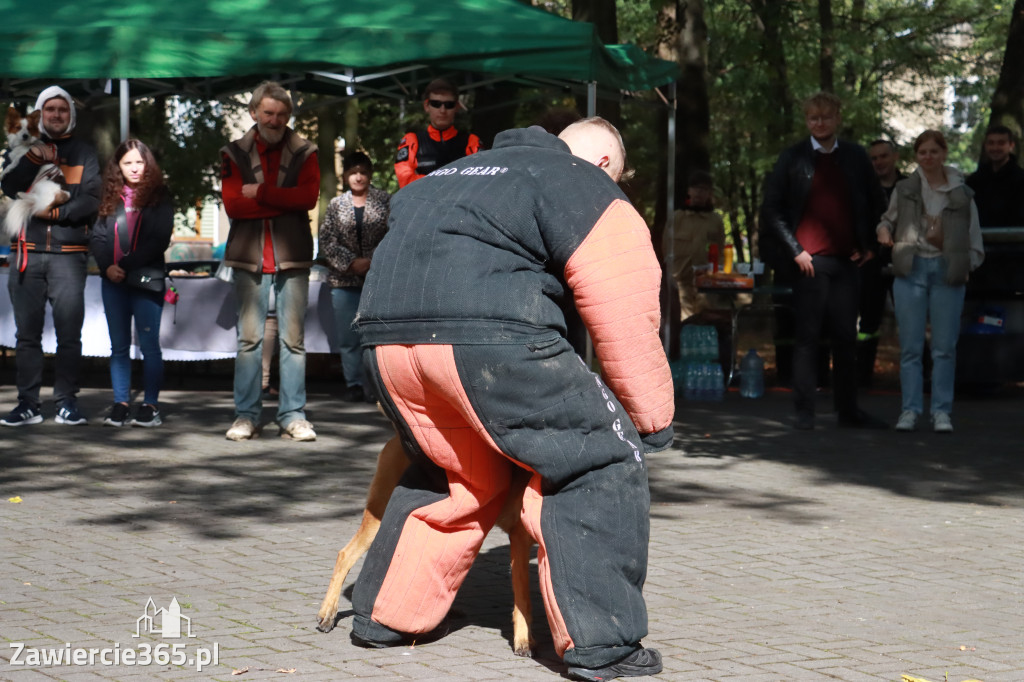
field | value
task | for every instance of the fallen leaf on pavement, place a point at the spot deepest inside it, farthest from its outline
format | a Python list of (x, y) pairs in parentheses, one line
[(14, 500)]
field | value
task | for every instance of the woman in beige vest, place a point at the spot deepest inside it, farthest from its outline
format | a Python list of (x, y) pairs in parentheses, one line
[(932, 227)]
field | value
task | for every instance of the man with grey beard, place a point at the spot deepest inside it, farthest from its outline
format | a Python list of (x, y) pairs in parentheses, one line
[(270, 181)]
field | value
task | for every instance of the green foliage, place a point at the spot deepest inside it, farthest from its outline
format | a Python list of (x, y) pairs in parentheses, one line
[(186, 136), (896, 61)]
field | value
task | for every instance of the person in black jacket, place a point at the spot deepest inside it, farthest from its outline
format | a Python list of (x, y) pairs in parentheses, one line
[(998, 183), (50, 265), (128, 243), (822, 202)]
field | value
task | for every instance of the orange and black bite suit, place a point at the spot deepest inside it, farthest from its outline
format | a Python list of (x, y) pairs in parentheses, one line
[(465, 339)]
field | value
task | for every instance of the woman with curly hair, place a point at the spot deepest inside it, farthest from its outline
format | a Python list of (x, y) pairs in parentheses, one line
[(136, 218)]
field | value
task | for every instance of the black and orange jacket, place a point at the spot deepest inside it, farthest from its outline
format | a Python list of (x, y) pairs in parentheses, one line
[(492, 248), (66, 229), (420, 153)]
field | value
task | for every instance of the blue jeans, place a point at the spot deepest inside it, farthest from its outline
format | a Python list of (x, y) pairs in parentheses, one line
[(920, 297), (345, 301), (60, 279), (121, 303), (291, 290)]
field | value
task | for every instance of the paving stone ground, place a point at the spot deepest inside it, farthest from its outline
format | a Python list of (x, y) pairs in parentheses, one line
[(775, 554)]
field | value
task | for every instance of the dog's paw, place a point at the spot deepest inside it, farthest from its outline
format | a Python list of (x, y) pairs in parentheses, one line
[(326, 619), (524, 650), (61, 198)]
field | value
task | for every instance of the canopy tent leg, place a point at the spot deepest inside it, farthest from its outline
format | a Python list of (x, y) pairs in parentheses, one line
[(125, 105), (670, 209)]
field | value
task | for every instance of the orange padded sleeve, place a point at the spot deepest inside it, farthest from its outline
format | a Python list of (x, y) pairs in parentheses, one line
[(615, 279)]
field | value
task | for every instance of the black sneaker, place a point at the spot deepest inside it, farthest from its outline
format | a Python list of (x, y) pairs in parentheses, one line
[(639, 663), (22, 415), (147, 417), (68, 414), (353, 394), (119, 414)]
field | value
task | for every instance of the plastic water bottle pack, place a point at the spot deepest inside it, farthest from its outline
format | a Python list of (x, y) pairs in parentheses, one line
[(698, 343), (752, 375), (702, 375)]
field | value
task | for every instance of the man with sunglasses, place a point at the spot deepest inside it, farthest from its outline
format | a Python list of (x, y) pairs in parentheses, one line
[(423, 151)]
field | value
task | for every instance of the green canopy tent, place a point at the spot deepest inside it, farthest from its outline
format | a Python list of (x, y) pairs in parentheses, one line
[(196, 44), (209, 48)]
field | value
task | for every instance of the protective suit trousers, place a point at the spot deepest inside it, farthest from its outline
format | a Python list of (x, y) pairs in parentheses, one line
[(461, 412)]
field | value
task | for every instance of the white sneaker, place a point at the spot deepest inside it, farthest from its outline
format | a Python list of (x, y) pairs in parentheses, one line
[(941, 423), (298, 429), (243, 428), (907, 421)]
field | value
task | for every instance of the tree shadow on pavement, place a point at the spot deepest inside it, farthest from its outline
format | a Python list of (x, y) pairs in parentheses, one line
[(186, 473), (979, 463)]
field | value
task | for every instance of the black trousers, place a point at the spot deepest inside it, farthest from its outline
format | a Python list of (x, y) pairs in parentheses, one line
[(827, 302)]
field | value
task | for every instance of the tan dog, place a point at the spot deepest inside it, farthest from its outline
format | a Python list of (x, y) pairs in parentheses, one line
[(391, 464)]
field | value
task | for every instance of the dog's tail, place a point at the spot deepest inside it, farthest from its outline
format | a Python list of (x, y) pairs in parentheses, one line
[(28, 204)]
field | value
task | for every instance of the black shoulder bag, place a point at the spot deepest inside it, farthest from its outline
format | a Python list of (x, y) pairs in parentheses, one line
[(148, 277)]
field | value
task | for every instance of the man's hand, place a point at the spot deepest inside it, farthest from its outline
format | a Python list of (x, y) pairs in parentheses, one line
[(251, 190), (48, 152), (115, 273), (359, 266), (885, 237), (806, 264), (59, 198), (861, 257)]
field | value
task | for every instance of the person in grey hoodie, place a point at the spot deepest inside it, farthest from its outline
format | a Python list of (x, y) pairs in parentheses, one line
[(932, 226), (51, 249)]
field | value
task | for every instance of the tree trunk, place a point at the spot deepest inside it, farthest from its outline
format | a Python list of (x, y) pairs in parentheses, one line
[(1008, 99), (771, 16), (856, 24), (827, 45), (684, 40), (326, 134), (600, 13), (494, 110)]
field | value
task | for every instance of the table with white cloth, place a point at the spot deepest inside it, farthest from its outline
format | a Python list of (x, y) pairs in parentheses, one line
[(200, 327)]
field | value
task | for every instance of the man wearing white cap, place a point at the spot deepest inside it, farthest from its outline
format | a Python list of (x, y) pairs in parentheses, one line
[(52, 248)]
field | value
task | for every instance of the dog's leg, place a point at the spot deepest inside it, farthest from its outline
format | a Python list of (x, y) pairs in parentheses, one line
[(391, 464), (520, 543)]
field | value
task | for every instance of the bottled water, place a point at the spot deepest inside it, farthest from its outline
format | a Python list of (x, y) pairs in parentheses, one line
[(690, 383), (686, 343), (678, 368), (717, 382), (752, 375)]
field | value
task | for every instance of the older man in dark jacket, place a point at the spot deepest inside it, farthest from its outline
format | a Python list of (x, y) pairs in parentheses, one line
[(270, 182), (822, 202)]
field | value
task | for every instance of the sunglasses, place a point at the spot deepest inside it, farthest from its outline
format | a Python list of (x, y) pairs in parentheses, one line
[(437, 103)]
